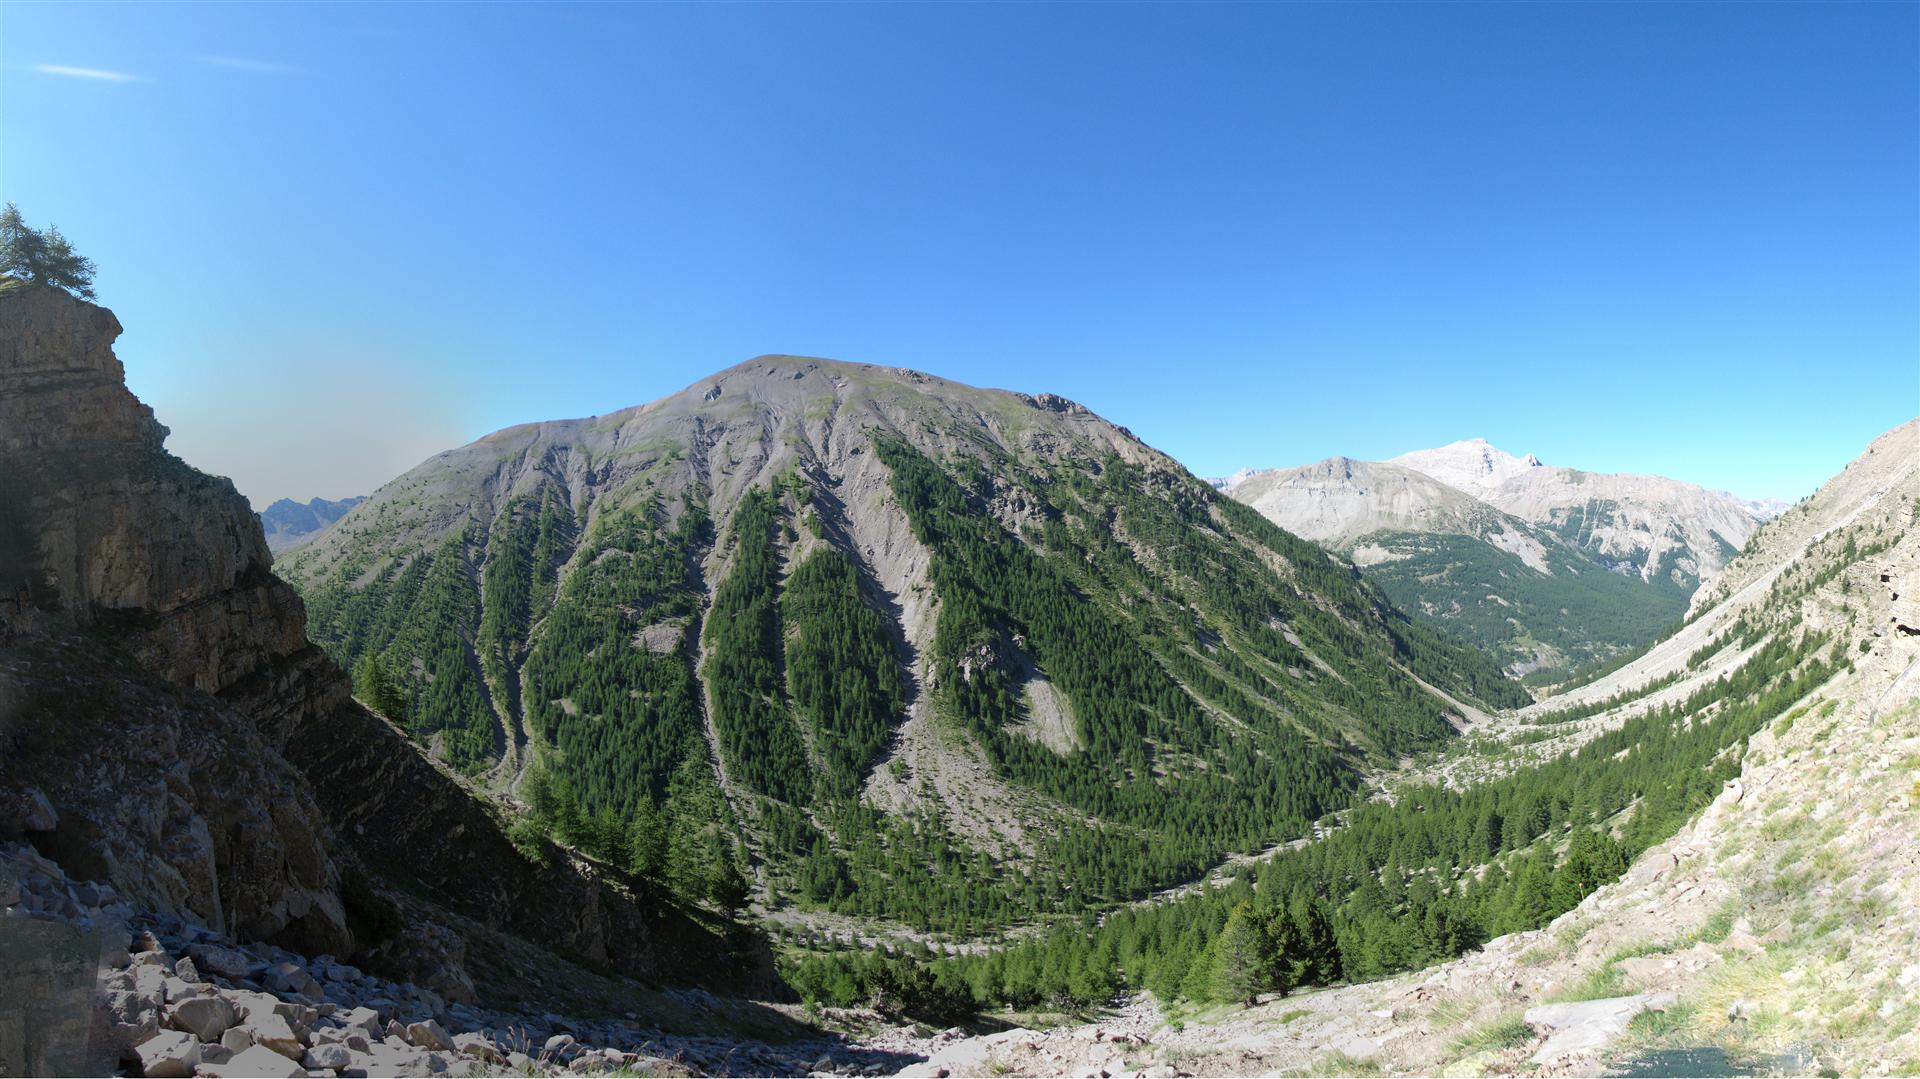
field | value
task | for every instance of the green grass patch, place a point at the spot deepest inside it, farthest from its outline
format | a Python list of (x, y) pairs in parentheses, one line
[(1503, 1033), (1599, 984), (1342, 1064)]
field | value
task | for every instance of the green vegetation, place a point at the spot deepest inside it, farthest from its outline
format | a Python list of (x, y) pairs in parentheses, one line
[(417, 617), (1432, 874), (620, 718), (1222, 680), (841, 669), (758, 738), (1492, 598), (42, 257), (376, 685)]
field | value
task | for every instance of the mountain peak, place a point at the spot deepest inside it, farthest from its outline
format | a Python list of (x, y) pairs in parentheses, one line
[(1473, 465)]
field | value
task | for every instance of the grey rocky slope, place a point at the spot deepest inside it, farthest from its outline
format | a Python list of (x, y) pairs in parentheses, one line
[(172, 735), (173, 997), (1663, 529), (1552, 567), (1777, 933), (289, 523)]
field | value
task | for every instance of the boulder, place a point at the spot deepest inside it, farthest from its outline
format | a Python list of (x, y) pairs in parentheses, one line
[(237, 1040), (365, 1019), (187, 972), (204, 1017), (130, 1020), (179, 989), (429, 1034), (170, 1053), (558, 1046), (327, 1056), (475, 1044), (28, 810), (150, 985), (386, 1059), (226, 962), (272, 1032), (258, 1062), (1587, 1025), (291, 978)]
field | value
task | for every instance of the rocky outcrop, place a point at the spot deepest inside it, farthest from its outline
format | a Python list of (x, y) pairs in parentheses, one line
[(188, 743), (135, 541), (174, 799), (185, 1000), (177, 800)]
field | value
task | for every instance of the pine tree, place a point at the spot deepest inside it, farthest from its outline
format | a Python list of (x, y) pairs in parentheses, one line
[(647, 840), (1243, 965), (42, 258), (727, 888), (1315, 933), (375, 685)]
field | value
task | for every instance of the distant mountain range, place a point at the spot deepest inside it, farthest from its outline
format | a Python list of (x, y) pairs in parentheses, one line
[(1551, 567), (289, 523)]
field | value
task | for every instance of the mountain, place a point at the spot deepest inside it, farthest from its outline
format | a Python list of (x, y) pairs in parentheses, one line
[(1552, 568), (1472, 465), (180, 753), (1760, 509), (1702, 862), (288, 522), (924, 652), (1666, 531), (1542, 604)]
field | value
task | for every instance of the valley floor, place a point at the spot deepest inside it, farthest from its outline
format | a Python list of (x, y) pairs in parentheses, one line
[(1777, 934)]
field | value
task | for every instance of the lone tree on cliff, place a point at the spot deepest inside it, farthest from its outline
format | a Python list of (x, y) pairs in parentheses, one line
[(42, 258)]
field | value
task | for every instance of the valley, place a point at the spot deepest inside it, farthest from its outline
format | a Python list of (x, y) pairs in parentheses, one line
[(832, 717)]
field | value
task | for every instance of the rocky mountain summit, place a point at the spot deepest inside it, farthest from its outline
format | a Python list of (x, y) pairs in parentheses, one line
[(1663, 529), (1554, 567), (172, 736), (1472, 465), (289, 523)]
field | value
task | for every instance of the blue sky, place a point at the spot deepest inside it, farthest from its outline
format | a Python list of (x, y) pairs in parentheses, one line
[(1678, 238)]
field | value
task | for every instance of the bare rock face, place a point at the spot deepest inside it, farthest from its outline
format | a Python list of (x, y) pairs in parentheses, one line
[(177, 800), (132, 537), (166, 726), (1657, 526), (62, 390)]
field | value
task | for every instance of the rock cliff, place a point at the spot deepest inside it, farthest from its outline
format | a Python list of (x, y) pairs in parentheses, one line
[(169, 729)]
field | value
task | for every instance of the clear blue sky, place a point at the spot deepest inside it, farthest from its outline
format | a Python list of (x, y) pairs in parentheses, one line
[(1676, 238)]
